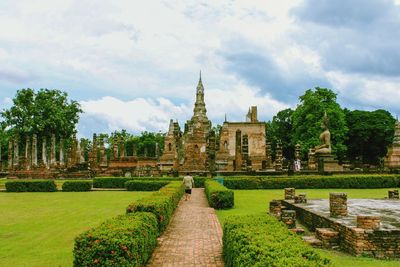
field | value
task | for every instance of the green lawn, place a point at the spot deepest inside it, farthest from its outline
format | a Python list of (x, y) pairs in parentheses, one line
[(38, 229), (256, 201)]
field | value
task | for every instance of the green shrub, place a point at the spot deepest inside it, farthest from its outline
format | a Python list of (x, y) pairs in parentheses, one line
[(302, 182), (126, 240), (161, 203), (141, 185), (77, 186), (199, 181), (114, 182), (219, 197), (261, 240), (31, 186)]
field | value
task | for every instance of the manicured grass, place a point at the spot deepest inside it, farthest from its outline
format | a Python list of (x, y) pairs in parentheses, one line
[(38, 229), (256, 201)]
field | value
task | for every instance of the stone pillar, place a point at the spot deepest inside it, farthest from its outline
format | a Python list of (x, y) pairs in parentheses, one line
[(312, 163), (28, 161), (301, 198), (145, 152), (62, 160), (268, 154), (157, 150), (288, 217), (115, 148), (10, 154), (278, 158), (134, 150), (16, 152), (78, 152), (338, 204), (290, 193), (34, 151), (103, 156), (53, 151), (297, 152), (275, 208), (368, 222), (393, 194), (44, 151), (93, 153), (122, 147)]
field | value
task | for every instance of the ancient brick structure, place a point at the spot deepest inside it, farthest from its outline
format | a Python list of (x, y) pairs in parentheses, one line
[(288, 217), (290, 193), (392, 159), (338, 204), (275, 208), (368, 222), (240, 146), (393, 194), (301, 198)]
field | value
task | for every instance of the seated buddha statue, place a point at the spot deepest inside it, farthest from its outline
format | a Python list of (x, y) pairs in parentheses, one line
[(324, 138)]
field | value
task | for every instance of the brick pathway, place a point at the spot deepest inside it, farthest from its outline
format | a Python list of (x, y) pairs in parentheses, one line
[(193, 237)]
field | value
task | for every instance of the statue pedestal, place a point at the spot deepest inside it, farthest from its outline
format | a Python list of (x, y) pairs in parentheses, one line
[(326, 163), (392, 159)]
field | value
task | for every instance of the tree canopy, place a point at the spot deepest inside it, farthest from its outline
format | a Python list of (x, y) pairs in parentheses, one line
[(44, 112), (280, 129), (370, 132), (308, 116)]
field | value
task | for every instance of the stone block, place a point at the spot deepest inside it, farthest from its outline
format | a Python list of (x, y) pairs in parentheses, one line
[(338, 204), (288, 217), (290, 193), (368, 222)]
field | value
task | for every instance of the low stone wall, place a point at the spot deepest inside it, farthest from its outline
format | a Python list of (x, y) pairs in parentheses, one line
[(357, 241)]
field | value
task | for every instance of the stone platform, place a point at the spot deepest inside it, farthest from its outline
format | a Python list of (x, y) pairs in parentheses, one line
[(381, 242)]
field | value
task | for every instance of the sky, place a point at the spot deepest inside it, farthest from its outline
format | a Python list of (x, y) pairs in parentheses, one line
[(135, 64)]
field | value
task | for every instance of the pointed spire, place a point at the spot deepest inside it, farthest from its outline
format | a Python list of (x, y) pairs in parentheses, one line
[(171, 127), (225, 118)]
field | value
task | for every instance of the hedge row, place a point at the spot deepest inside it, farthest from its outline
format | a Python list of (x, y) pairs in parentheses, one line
[(261, 240), (119, 182), (31, 186), (140, 185), (126, 240), (340, 181), (161, 203), (219, 197), (77, 186)]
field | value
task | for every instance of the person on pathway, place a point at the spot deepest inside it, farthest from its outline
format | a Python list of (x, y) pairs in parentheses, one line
[(189, 184)]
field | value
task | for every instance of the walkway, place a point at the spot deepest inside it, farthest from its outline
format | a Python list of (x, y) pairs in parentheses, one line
[(193, 237)]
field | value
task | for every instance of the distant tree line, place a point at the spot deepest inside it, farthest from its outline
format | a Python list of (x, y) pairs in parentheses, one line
[(356, 135)]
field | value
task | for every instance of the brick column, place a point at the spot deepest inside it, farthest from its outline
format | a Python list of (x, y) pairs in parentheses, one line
[(275, 208), (393, 194), (288, 217), (290, 193), (10, 154), (338, 204), (34, 151), (301, 198), (62, 160)]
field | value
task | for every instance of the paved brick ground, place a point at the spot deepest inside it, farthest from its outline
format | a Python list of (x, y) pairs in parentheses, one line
[(193, 237)]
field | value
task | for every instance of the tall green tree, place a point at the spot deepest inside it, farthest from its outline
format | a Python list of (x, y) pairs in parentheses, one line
[(308, 116), (370, 132), (280, 129), (44, 112)]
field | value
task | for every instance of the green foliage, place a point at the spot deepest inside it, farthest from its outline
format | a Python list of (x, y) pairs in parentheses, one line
[(260, 240), (161, 203), (145, 144), (142, 185), (280, 129), (110, 182), (301, 182), (370, 132), (44, 112), (308, 116), (77, 186), (219, 197), (199, 181), (31, 186), (126, 240)]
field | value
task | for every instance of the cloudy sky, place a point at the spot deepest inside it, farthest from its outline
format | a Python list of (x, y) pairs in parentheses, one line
[(135, 64)]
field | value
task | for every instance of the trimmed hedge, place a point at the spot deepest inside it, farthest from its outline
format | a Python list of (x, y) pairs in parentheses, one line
[(119, 182), (126, 240), (261, 240), (140, 185), (161, 203), (77, 186), (219, 197), (31, 186), (302, 182)]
